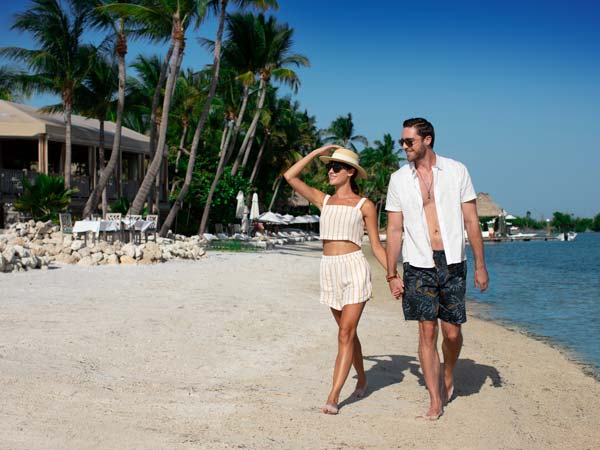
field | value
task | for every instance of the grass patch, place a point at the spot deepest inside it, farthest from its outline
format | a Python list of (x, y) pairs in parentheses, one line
[(232, 246)]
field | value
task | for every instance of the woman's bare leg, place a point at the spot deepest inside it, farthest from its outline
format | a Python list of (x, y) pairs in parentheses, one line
[(357, 355), (347, 325)]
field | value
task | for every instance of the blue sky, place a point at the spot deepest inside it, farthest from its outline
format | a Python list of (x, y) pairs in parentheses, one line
[(510, 86)]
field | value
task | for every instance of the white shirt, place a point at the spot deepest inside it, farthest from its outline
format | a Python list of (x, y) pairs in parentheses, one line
[(452, 187)]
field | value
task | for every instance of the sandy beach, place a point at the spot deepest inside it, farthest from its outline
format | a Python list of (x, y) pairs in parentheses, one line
[(235, 352)]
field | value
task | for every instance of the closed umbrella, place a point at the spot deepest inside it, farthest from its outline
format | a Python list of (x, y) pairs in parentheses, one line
[(245, 220), (239, 207), (254, 212)]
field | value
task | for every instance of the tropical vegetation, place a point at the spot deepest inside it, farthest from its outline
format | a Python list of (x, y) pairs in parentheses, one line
[(45, 198), (231, 125)]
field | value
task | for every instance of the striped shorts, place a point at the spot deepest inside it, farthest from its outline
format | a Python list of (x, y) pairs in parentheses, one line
[(345, 280)]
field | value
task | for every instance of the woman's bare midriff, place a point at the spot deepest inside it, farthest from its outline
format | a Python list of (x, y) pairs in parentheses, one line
[(336, 248)]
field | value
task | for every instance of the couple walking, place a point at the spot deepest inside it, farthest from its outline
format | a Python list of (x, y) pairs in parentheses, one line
[(430, 202)]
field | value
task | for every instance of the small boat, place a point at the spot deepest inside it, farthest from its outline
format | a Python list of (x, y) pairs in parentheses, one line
[(522, 236), (570, 236)]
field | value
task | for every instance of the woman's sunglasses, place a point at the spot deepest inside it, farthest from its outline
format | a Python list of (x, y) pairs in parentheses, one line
[(336, 166)]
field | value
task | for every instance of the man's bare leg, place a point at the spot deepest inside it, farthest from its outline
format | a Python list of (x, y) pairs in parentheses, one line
[(430, 365), (347, 331), (451, 347)]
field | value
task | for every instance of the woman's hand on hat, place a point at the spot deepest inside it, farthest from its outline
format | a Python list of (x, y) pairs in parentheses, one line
[(326, 150)]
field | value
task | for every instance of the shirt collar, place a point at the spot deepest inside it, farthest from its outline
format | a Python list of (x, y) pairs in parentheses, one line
[(439, 164)]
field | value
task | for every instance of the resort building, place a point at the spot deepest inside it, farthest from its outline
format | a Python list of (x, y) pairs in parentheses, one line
[(32, 141)]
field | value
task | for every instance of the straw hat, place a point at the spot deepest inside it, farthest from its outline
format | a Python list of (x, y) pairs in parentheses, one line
[(346, 156)]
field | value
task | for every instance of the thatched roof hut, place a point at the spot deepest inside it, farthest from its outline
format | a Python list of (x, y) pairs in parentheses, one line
[(486, 207)]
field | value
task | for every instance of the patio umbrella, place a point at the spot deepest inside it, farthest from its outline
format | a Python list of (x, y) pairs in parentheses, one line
[(299, 220), (245, 221), (270, 217), (254, 212), (239, 207)]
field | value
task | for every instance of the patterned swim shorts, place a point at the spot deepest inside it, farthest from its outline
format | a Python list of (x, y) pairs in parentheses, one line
[(435, 293)]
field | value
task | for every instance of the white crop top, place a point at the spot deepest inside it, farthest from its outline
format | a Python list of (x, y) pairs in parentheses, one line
[(342, 223)]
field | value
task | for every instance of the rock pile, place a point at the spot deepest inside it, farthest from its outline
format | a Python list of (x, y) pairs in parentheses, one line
[(34, 245)]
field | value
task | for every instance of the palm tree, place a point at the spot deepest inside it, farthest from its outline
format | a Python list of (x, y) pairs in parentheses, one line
[(116, 21), (221, 7), (140, 92), (10, 88), (181, 14), (94, 99), (380, 162), (274, 57), (273, 53), (341, 132), (61, 62)]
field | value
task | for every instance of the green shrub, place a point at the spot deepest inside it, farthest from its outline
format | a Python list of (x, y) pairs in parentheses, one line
[(45, 198)]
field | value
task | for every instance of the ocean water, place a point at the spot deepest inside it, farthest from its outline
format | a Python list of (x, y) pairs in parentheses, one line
[(548, 288)]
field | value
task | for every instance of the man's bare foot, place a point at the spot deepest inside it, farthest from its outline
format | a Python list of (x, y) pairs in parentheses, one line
[(330, 408), (432, 414), (447, 392), (361, 389)]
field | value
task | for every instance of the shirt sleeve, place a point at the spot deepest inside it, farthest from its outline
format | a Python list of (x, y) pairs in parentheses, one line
[(392, 202), (467, 191)]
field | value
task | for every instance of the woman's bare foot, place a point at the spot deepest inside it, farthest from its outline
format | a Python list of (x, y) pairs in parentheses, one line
[(361, 389), (330, 408)]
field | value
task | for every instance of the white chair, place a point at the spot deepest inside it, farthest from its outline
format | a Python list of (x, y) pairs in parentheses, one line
[(66, 223), (115, 217), (152, 227), (130, 220)]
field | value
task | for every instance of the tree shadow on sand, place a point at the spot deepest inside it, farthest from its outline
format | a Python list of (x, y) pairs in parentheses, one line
[(469, 376)]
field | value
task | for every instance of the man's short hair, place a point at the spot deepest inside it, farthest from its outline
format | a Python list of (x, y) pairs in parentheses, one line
[(423, 127)]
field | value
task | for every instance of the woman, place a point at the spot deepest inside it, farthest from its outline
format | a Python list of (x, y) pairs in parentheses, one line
[(345, 273)]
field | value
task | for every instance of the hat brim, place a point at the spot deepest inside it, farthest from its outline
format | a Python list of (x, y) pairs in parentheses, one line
[(361, 173)]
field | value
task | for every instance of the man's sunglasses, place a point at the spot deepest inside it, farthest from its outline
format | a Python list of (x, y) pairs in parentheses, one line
[(408, 141), (336, 166)]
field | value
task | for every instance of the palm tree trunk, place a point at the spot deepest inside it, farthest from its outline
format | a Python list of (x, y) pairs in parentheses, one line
[(154, 110), (68, 107), (204, 115), (247, 143), (277, 184), (181, 142), (238, 124), (258, 159), (102, 161), (144, 190), (211, 193), (92, 202)]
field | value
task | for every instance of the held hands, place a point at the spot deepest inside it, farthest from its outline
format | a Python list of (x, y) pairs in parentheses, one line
[(481, 279), (397, 288)]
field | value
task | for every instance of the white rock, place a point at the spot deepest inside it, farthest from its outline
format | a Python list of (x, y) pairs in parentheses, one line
[(77, 245), (86, 261), (112, 259)]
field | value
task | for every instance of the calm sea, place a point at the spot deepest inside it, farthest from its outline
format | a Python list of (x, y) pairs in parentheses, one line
[(551, 289)]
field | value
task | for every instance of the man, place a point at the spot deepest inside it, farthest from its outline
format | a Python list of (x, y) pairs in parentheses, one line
[(433, 200)]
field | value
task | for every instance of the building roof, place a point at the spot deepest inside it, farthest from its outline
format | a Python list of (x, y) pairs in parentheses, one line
[(22, 121), (486, 207)]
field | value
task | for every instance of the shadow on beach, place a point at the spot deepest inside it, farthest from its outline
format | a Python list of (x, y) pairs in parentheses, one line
[(469, 377), (387, 370), (390, 369)]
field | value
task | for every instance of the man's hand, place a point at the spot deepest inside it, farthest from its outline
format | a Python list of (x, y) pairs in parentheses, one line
[(481, 279), (397, 288)]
